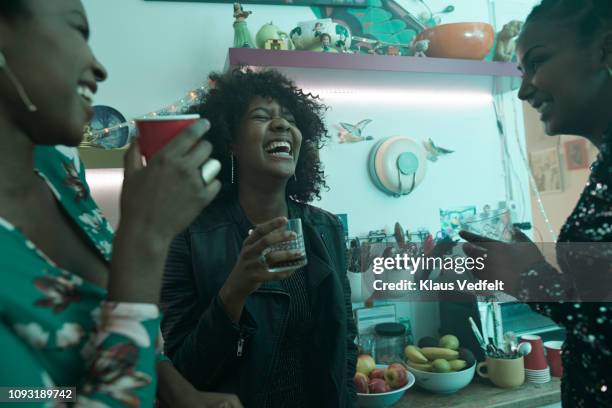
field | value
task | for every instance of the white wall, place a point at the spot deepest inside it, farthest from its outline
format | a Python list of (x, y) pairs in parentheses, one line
[(157, 51)]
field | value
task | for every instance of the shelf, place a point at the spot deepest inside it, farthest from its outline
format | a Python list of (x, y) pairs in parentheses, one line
[(95, 158), (320, 70)]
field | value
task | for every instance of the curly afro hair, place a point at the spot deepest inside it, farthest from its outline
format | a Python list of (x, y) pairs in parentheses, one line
[(226, 103)]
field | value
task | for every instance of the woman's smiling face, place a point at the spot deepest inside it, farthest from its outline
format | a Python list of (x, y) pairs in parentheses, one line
[(564, 78), (268, 140)]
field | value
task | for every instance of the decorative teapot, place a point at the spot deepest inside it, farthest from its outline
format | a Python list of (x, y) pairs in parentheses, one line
[(316, 35), (270, 36)]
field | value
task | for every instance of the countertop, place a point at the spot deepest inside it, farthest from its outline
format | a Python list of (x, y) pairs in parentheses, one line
[(482, 394)]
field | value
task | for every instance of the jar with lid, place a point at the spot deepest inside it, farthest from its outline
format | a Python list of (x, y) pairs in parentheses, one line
[(390, 342)]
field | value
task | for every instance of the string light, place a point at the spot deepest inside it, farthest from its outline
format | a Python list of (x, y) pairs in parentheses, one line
[(193, 97)]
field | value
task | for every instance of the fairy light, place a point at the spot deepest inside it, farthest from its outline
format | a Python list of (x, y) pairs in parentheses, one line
[(192, 97)]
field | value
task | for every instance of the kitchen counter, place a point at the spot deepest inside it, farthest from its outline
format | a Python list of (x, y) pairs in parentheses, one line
[(482, 394)]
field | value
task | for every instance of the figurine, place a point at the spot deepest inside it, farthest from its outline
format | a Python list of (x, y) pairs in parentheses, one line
[(506, 41), (317, 29), (352, 133), (419, 48), (433, 151), (326, 43), (242, 36), (393, 50)]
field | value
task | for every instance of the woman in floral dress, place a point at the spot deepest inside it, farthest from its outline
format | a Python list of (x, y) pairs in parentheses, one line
[(69, 316)]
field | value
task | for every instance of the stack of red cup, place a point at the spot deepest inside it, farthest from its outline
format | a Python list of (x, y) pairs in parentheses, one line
[(553, 356), (536, 367)]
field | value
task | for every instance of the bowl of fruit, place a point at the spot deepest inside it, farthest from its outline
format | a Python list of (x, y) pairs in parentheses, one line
[(441, 366), (380, 385)]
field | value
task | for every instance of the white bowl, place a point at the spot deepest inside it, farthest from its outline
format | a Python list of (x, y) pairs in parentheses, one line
[(385, 399), (444, 383)]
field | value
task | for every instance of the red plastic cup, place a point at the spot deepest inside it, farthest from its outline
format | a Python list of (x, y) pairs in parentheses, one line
[(155, 132), (553, 356), (536, 359)]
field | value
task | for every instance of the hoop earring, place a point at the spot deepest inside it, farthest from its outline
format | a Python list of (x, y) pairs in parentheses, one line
[(232, 164), (22, 93)]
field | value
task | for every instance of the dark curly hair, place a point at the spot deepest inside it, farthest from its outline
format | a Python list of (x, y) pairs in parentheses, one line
[(226, 103), (588, 16), (13, 8)]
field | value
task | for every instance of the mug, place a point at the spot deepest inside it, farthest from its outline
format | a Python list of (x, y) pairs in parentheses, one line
[(503, 372), (308, 34)]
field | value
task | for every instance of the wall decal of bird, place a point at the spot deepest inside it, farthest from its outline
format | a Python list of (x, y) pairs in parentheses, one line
[(348, 133), (433, 151)]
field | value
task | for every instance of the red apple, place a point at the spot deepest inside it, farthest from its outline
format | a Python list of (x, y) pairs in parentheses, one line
[(365, 364), (378, 386), (361, 383), (396, 376), (377, 373)]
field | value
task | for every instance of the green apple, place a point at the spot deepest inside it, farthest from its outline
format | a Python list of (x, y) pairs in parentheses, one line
[(441, 366), (450, 342)]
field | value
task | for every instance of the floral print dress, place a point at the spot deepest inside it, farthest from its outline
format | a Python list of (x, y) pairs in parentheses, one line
[(56, 329)]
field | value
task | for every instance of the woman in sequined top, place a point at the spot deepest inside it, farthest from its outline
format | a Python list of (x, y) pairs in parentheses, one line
[(565, 55)]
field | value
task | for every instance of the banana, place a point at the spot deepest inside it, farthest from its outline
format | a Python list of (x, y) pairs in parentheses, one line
[(457, 365), (420, 367), (413, 354), (433, 353)]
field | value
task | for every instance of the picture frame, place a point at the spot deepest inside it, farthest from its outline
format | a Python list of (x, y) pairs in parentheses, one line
[(576, 154), (546, 170)]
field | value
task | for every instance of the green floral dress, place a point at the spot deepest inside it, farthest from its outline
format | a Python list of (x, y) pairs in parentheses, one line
[(56, 329)]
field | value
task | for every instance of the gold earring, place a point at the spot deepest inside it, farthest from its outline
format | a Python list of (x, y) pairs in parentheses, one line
[(22, 93)]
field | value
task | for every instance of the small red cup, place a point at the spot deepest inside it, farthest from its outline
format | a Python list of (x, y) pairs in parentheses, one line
[(553, 356), (535, 360), (155, 132)]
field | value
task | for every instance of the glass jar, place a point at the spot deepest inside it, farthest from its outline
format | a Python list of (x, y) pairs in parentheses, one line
[(390, 343)]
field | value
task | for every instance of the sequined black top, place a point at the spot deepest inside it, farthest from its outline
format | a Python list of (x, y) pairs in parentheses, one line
[(587, 352)]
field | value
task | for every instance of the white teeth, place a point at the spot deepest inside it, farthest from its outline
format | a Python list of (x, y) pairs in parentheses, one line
[(85, 93), (279, 144), (281, 154)]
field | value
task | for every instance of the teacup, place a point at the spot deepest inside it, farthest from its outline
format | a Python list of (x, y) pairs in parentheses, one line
[(308, 35)]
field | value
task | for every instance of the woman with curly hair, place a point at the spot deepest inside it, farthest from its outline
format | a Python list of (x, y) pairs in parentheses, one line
[(275, 339)]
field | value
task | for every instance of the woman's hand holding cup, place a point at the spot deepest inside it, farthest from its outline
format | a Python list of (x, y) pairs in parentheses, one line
[(254, 263), (158, 201)]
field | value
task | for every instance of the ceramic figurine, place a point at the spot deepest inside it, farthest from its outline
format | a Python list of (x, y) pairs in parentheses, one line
[(270, 37), (419, 48), (393, 50), (433, 151), (242, 36), (348, 133), (326, 43), (274, 44), (506, 41)]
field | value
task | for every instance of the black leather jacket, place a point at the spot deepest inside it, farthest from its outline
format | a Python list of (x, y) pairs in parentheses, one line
[(215, 354)]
